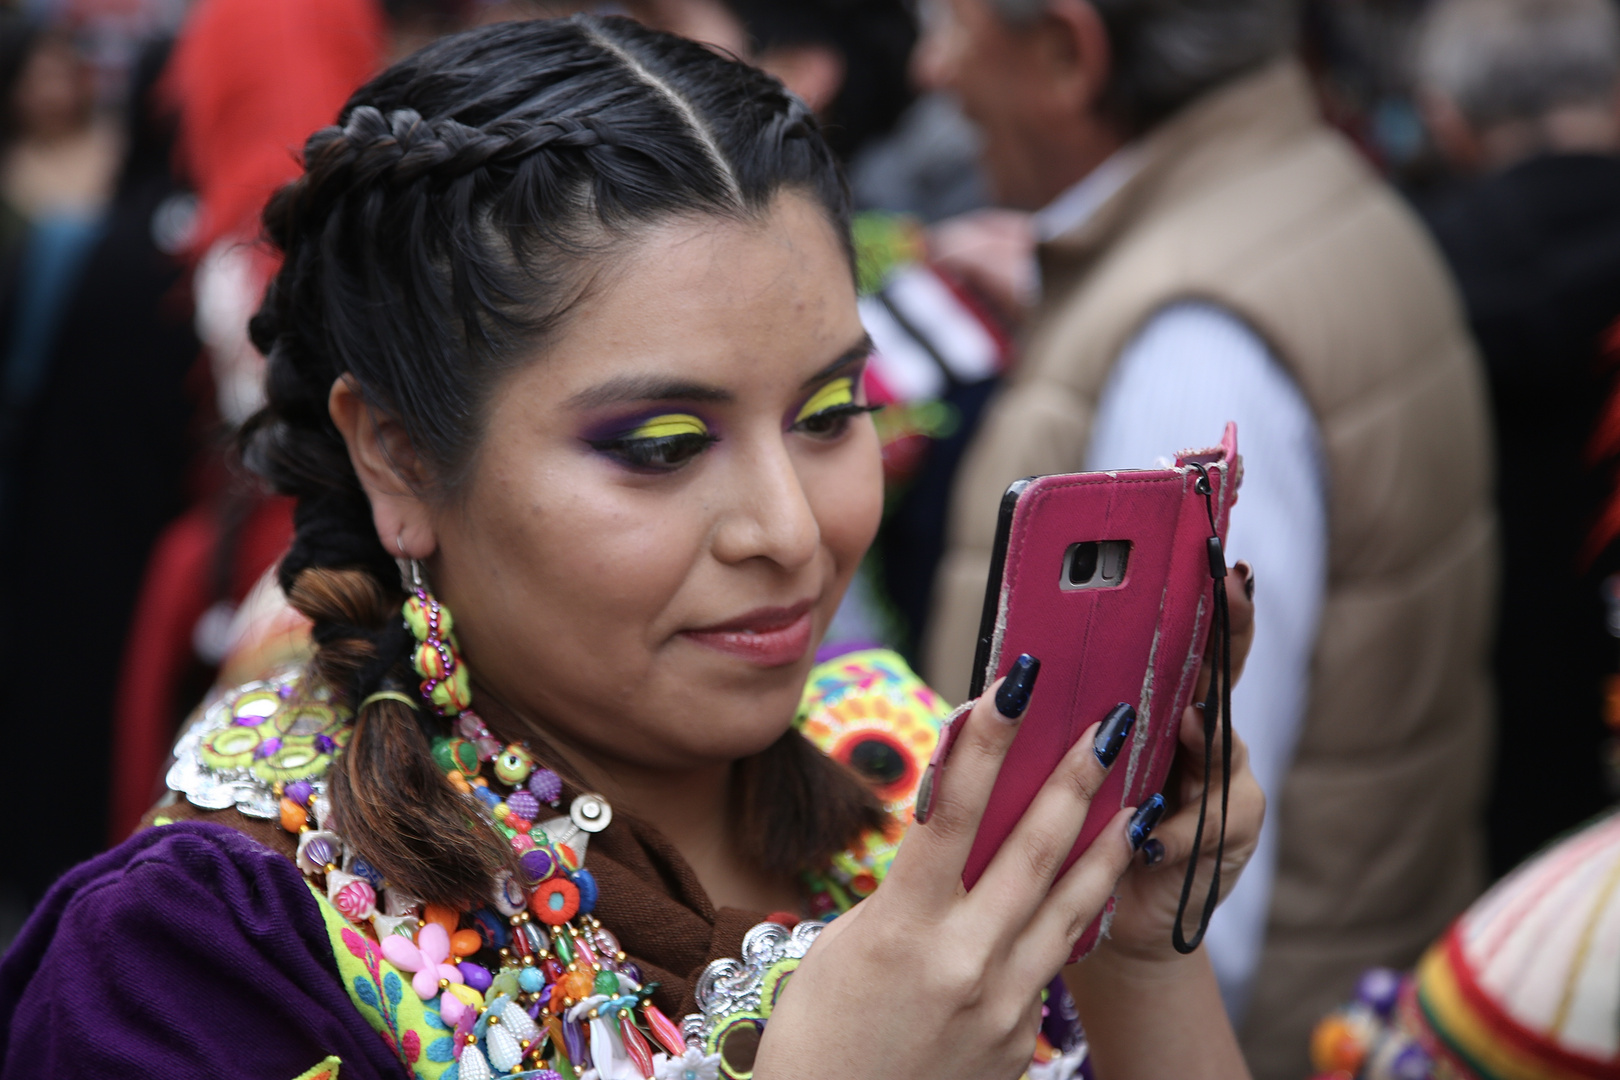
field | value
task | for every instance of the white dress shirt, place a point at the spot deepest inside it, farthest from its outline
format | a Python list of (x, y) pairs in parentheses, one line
[(1189, 370)]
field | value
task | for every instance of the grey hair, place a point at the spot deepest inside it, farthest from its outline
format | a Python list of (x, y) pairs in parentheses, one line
[(1500, 61), (1168, 53)]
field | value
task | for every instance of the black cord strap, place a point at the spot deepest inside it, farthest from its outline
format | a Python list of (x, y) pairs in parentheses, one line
[(1217, 708)]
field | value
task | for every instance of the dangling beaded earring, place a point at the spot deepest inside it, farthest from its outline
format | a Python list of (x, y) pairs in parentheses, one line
[(437, 659)]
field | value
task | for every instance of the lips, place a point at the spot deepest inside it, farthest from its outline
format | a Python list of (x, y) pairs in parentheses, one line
[(769, 637)]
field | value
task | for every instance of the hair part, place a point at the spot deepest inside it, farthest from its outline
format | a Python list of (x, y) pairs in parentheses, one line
[(1502, 61), (442, 232), (1168, 53)]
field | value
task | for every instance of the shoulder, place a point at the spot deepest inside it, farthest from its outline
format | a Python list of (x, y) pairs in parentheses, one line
[(187, 949)]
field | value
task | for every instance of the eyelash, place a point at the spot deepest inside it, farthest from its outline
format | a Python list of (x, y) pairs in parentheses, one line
[(666, 453), (658, 453), (838, 415)]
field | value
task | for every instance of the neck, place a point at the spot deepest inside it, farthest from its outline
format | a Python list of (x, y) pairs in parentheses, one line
[(691, 808)]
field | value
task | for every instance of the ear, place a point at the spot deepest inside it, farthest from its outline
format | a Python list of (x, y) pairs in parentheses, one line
[(1077, 54), (389, 471), (1453, 136), (814, 72)]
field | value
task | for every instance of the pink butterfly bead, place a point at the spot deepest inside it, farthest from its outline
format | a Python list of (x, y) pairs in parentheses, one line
[(428, 958)]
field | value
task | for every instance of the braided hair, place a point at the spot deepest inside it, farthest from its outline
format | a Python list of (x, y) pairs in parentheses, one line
[(441, 231)]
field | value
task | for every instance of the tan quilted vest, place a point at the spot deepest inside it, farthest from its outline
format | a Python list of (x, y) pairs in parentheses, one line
[(1249, 201)]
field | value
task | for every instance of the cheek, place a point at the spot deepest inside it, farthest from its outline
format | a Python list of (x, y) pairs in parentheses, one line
[(847, 499)]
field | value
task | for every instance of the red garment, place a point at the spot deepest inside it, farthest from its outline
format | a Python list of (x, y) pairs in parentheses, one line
[(252, 80)]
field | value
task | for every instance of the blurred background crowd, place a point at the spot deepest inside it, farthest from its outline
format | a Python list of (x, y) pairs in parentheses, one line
[(1381, 235)]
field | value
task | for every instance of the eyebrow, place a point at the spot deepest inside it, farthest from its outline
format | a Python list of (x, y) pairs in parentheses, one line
[(630, 388)]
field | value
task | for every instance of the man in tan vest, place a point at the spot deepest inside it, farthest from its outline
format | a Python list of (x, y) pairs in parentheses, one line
[(1210, 250)]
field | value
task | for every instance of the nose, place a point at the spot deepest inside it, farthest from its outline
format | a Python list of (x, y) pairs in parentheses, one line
[(770, 516)]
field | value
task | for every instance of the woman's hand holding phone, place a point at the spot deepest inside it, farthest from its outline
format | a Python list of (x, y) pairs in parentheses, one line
[(1150, 892), (927, 979)]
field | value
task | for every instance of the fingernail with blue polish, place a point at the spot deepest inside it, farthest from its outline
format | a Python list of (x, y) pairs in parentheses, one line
[(1115, 730), (1147, 816), (1153, 852), (1013, 697)]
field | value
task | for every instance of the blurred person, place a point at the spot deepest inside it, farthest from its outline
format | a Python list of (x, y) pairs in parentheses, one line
[(57, 170), (1521, 97), (1210, 250), (846, 59), (96, 466)]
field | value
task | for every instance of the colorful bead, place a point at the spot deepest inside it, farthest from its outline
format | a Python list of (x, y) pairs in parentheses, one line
[(635, 1044), (317, 851), (465, 943), (478, 977), (563, 945), (360, 868), (585, 882), (352, 896), (539, 864), (457, 754), (578, 984), (555, 902), (299, 792), (531, 980), (524, 804), (504, 1052), (664, 1030), (293, 816), (514, 765), (509, 897), (492, 930), (546, 786)]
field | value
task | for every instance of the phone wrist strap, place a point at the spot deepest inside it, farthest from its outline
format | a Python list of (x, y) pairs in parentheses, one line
[(1217, 709)]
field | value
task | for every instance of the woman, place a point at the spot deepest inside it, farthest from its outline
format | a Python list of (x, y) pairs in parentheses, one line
[(567, 326)]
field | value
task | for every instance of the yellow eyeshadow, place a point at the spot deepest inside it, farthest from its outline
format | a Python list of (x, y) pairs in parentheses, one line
[(838, 392), (663, 427)]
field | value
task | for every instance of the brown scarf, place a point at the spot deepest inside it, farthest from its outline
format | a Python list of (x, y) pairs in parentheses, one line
[(649, 897)]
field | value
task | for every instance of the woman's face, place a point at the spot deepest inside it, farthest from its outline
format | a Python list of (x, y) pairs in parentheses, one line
[(668, 505)]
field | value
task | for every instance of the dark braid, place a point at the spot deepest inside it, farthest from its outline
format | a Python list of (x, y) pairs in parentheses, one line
[(439, 235)]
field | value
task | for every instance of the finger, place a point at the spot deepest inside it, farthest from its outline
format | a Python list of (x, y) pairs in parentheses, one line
[(1026, 864), (959, 782), (1240, 618), (1191, 755), (1078, 897)]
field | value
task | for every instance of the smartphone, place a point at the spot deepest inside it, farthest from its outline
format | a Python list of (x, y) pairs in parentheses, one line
[(1106, 578)]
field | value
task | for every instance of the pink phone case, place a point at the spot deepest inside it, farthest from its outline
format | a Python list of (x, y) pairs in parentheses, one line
[(1138, 641)]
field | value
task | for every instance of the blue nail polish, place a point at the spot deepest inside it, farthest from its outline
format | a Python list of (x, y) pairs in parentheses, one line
[(1147, 816), (1116, 728), (1013, 697), (1153, 852)]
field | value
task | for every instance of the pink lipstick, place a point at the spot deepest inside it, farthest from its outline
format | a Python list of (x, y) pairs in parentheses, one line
[(769, 637)]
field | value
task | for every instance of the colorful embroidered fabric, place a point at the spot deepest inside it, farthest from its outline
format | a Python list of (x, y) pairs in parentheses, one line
[(326, 1070), (410, 1026), (869, 711)]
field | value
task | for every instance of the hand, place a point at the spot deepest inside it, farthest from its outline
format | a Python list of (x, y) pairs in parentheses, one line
[(1150, 893), (993, 253), (926, 979)]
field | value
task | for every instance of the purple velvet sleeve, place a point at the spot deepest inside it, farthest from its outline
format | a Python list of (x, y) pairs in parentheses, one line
[(187, 951)]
